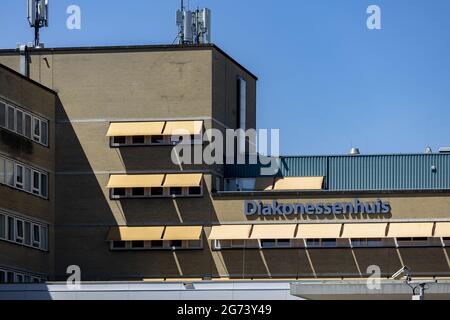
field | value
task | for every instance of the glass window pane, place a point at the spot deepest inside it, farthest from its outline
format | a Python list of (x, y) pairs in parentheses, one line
[(36, 182), (9, 168), (36, 236), (28, 126), (11, 116), (27, 233), (10, 277), (44, 186), (19, 231), (2, 170), (19, 121), (19, 176), (2, 114), (10, 229), (2, 276), (44, 242), (27, 179), (37, 129), (2, 226), (44, 131)]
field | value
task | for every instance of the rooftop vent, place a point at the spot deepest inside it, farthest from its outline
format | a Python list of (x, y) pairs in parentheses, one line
[(354, 152), (428, 150), (444, 150)]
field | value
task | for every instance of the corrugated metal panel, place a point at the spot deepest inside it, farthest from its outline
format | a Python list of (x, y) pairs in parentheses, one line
[(371, 172)]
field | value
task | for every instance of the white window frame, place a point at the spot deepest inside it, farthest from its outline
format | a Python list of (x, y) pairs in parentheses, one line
[(19, 239), (17, 184), (33, 240)]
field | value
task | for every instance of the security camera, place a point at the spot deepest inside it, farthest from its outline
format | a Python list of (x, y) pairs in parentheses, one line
[(404, 271)]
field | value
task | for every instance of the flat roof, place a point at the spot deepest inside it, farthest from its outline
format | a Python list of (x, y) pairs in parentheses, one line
[(2, 66), (130, 48)]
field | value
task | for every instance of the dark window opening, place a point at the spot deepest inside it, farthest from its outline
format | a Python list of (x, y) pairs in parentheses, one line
[(138, 140), (137, 244), (119, 244), (157, 191), (157, 244), (119, 192), (176, 191), (138, 192), (268, 243), (119, 140), (157, 139), (176, 243), (195, 190)]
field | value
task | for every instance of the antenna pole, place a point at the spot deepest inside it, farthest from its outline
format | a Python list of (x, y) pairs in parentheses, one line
[(36, 26)]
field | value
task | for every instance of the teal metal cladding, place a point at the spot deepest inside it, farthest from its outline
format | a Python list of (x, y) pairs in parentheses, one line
[(371, 172)]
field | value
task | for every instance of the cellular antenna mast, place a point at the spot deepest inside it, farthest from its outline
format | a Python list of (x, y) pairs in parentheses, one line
[(38, 18), (194, 27)]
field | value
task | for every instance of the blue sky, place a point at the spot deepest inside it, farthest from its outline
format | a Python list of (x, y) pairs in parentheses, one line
[(326, 80)]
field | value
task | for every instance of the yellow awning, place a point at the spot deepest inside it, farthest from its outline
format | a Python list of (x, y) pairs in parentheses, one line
[(442, 230), (410, 230), (319, 231), (126, 129), (183, 180), (183, 233), (273, 231), (230, 232), (135, 233), (364, 230), (135, 181), (183, 128), (299, 183)]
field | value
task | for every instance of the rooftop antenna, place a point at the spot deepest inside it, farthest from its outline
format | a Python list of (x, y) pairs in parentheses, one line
[(194, 27), (38, 18)]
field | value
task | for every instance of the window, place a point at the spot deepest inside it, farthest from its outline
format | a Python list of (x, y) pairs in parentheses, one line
[(36, 182), (44, 238), (119, 192), (157, 191), (328, 243), (19, 231), (19, 121), (36, 236), (176, 244), (2, 276), (28, 126), (138, 140), (37, 129), (10, 277), (11, 229), (194, 191), (11, 118), (9, 173), (119, 140), (2, 226), (2, 170), (44, 132), (268, 243), (157, 139), (2, 115), (44, 185), (157, 244), (19, 278), (194, 244), (19, 176), (27, 239), (176, 191), (138, 192), (27, 180), (313, 243), (137, 244), (119, 244), (283, 243)]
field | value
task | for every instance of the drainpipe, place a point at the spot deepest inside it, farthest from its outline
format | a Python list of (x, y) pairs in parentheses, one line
[(24, 63)]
